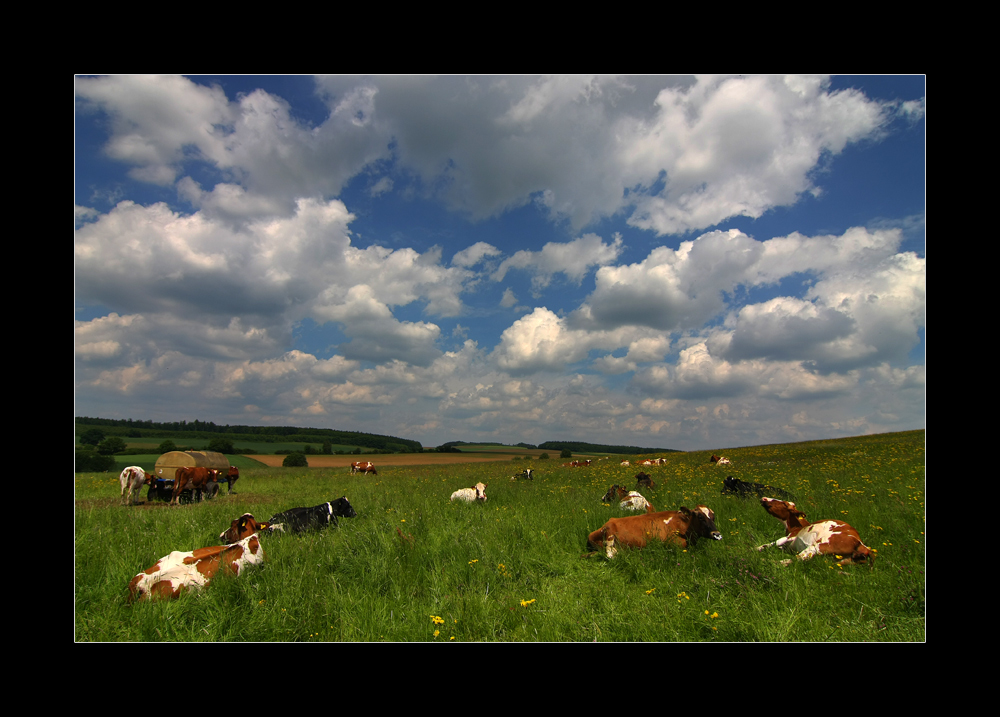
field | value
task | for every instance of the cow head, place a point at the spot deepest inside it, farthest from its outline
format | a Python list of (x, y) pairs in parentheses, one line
[(701, 523), (785, 511), (241, 528), (480, 491), (343, 508), (611, 494)]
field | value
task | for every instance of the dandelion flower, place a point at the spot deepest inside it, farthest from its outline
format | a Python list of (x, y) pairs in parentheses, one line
[(436, 633)]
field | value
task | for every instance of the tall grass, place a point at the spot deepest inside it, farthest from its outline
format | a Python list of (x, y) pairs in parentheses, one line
[(511, 569)]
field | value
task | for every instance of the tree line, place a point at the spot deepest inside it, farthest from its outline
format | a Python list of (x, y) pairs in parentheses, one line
[(578, 447), (262, 434)]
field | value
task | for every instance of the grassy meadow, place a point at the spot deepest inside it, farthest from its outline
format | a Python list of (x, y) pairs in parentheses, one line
[(511, 569)]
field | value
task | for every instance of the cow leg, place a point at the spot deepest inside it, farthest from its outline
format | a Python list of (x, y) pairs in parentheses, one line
[(806, 554), (779, 543)]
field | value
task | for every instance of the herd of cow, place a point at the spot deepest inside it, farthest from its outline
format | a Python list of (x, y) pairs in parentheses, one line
[(194, 569), (802, 538), (191, 483)]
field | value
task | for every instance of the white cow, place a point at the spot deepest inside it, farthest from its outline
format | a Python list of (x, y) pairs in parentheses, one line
[(470, 495), (133, 478)]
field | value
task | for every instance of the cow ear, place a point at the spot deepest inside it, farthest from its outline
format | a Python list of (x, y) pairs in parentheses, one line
[(686, 511)]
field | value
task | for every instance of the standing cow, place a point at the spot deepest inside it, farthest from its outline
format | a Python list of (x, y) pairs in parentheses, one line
[(194, 478), (133, 478), (364, 467)]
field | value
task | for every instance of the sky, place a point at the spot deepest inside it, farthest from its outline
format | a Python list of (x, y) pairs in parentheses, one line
[(684, 262)]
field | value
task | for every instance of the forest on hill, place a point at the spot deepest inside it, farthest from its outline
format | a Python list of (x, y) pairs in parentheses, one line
[(261, 434), (578, 447)]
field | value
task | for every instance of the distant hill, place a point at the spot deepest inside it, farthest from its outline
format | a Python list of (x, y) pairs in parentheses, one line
[(265, 434), (599, 448)]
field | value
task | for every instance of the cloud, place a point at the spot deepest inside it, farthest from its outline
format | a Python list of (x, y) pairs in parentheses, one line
[(676, 154), (574, 259), (474, 254), (670, 289)]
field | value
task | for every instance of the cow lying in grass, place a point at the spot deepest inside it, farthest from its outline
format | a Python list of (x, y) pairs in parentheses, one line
[(471, 495), (297, 520), (629, 499), (682, 527), (644, 480), (192, 570), (735, 486), (805, 539)]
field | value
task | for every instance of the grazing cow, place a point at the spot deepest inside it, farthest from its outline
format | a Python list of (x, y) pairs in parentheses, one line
[(194, 569), (526, 474), (297, 520), (682, 526), (471, 495), (805, 539), (719, 460), (577, 464), (364, 467), (624, 463), (133, 478), (644, 479), (735, 486), (195, 478)]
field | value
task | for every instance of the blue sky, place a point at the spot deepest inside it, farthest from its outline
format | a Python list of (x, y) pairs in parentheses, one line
[(688, 262)]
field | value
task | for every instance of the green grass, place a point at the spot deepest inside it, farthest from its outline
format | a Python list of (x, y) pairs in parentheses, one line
[(511, 569)]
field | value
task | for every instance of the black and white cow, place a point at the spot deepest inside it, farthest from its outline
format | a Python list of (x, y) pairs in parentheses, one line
[(735, 486), (297, 520)]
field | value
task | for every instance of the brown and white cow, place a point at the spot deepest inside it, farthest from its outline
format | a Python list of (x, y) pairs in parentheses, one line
[(471, 495), (364, 467), (682, 526), (630, 499), (719, 460), (194, 569), (577, 464), (194, 478), (805, 539), (133, 478), (243, 527)]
